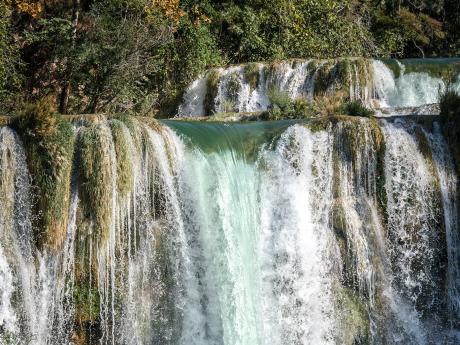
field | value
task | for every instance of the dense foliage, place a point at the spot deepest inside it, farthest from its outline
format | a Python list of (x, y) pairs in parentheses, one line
[(137, 55)]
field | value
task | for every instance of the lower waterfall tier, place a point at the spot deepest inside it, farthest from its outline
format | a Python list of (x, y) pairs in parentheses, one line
[(331, 231)]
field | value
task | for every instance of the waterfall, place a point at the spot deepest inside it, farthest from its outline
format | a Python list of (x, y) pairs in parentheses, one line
[(299, 252), (413, 223), (448, 184), (391, 86), (339, 230)]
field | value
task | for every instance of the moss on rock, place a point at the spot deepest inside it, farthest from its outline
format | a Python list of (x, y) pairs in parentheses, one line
[(125, 178), (96, 178), (354, 318), (251, 75), (49, 142), (212, 88), (7, 185), (324, 78)]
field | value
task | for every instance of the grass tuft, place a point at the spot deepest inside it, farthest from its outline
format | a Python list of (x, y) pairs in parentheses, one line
[(356, 108)]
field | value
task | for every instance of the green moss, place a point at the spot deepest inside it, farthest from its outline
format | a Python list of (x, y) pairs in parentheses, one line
[(270, 74), (425, 149), (87, 302), (327, 122), (212, 88), (339, 225), (354, 318), (7, 337), (380, 149), (95, 179), (85, 298), (363, 70), (49, 142), (233, 86), (251, 75), (7, 185), (343, 70), (324, 77), (125, 176), (336, 76), (317, 124), (129, 121)]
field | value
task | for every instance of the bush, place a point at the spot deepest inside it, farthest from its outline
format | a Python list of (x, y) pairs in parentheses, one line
[(283, 108), (278, 98), (356, 108)]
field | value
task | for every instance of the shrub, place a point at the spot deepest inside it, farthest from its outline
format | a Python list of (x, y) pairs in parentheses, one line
[(288, 109), (356, 108), (278, 98)]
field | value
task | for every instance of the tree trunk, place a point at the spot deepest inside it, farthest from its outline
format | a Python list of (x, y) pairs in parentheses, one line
[(94, 103), (65, 92), (419, 48)]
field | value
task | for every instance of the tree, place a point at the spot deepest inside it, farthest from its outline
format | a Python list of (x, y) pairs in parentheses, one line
[(408, 28), (10, 79), (64, 98)]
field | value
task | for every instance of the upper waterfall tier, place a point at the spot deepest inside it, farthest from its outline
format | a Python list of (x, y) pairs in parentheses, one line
[(392, 86)]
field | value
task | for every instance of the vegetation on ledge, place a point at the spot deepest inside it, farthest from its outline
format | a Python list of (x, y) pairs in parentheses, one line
[(95, 178), (283, 107), (356, 108), (49, 141)]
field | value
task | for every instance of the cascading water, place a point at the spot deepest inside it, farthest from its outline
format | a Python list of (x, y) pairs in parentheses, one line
[(392, 87), (338, 230)]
